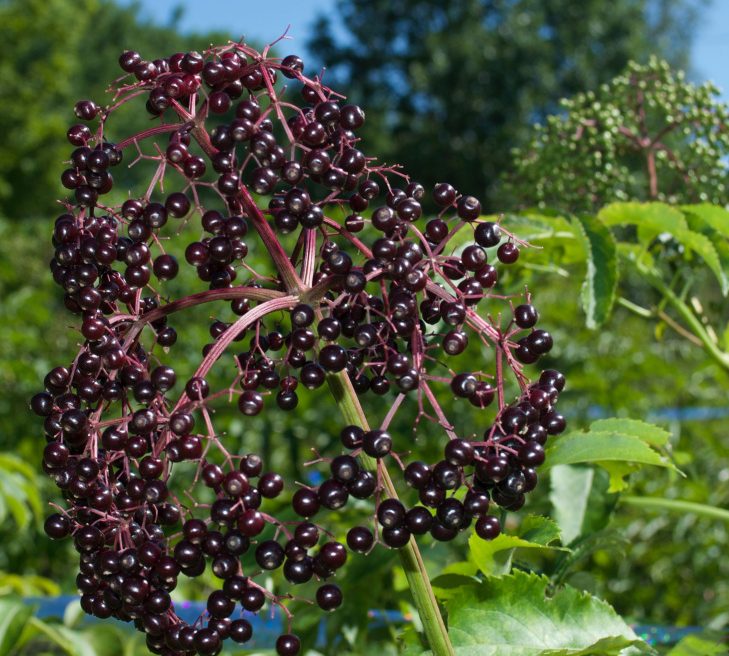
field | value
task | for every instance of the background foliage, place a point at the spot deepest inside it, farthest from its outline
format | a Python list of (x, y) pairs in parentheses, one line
[(602, 281), (451, 87)]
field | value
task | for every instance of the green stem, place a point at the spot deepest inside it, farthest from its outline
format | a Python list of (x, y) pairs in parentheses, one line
[(412, 562), (635, 308), (687, 315), (678, 505)]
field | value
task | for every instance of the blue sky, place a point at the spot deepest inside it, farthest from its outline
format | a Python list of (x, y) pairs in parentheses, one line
[(267, 19)]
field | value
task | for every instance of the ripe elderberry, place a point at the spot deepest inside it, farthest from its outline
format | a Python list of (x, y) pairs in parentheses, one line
[(383, 314)]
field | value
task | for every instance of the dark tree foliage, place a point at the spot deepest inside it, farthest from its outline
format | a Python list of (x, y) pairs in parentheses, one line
[(45, 67), (451, 87)]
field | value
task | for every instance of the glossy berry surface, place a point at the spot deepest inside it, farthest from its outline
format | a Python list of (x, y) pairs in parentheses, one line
[(355, 295)]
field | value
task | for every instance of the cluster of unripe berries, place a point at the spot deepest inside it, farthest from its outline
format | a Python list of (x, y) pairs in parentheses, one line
[(365, 291)]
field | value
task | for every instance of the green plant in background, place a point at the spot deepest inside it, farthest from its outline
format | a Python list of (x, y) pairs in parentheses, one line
[(44, 66), (648, 134), (503, 64)]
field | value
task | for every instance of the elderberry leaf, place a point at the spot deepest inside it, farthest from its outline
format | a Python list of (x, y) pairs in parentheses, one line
[(701, 245), (712, 215), (537, 226), (715, 227), (494, 557), (601, 280), (653, 435), (617, 452), (514, 616), (580, 500), (651, 218)]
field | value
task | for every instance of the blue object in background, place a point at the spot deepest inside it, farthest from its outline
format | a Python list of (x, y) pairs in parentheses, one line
[(267, 627), (691, 413)]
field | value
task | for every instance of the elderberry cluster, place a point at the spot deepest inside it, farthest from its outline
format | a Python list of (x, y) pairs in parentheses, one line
[(359, 292)]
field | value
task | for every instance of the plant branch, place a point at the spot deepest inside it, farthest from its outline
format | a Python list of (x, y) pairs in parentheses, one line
[(677, 505), (222, 343), (708, 344), (225, 294), (286, 270), (652, 314), (412, 561)]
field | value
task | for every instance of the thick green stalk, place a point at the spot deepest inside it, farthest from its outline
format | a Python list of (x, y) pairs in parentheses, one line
[(412, 562), (678, 505)]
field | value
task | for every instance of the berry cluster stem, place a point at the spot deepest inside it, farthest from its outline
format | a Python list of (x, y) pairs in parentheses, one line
[(411, 559)]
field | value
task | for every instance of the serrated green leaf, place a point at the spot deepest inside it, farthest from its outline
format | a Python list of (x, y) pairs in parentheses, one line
[(653, 218), (650, 433), (713, 215), (537, 226), (494, 556), (601, 279), (463, 567), (697, 646), (618, 453), (596, 446), (13, 616), (702, 246), (513, 616), (637, 254), (715, 227), (580, 500)]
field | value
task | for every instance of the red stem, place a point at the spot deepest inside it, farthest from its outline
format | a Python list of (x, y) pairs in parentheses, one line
[(222, 343), (286, 270)]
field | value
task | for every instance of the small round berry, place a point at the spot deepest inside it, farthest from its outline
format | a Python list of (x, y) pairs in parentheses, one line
[(250, 403), (488, 527), (241, 631), (464, 385), (269, 554), (305, 502), (418, 520), (351, 436), (333, 358), (417, 474), (270, 485), (469, 208), (360, 539), (508, 253), (396, 537), (531, 454), (288, 644), (329, 597), (459, 452), (525, 316), (377, 443), (444, 194), (291, 65), (391, 513), (57, 526), (487, 234)]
